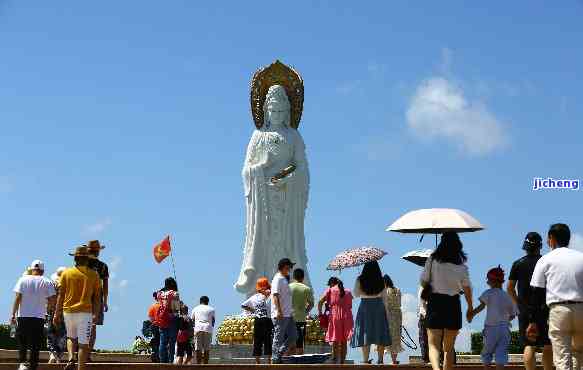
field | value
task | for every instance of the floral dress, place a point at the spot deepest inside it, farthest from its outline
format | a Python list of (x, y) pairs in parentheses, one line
[(392, 302)]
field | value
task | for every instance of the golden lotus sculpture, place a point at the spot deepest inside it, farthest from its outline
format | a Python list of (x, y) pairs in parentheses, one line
[(239, 330)]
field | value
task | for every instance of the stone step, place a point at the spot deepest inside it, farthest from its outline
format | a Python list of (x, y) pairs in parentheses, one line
[(95, 366)]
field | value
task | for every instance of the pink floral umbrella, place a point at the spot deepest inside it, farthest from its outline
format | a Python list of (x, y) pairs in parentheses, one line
[(355, 257)]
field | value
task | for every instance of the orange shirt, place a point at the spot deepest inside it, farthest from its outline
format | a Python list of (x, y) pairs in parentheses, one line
[(152, 311)]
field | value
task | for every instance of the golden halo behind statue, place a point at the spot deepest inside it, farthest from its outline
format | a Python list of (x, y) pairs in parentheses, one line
[(277, 74)]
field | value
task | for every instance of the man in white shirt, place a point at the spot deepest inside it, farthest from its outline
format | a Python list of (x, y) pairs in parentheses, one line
[(33, 293), (203, 316), (561, 273), (284, 326)]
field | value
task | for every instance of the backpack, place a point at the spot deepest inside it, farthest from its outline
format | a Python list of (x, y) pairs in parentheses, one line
[(147, 330), (186, 330), (164, 315)]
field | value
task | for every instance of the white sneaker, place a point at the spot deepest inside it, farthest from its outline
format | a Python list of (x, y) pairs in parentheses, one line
[(24, 366)]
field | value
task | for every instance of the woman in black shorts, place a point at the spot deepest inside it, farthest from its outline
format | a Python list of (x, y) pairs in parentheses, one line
[(447, 274)]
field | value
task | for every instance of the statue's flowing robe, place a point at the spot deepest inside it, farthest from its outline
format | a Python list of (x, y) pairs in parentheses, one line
[(275, 213)]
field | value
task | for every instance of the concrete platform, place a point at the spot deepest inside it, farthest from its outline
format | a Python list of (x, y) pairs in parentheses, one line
[(220, 354)]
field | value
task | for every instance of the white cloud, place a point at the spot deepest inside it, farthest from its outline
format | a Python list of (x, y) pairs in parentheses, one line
[(576, 241), (123, 284), (439, 109), (98, 227)]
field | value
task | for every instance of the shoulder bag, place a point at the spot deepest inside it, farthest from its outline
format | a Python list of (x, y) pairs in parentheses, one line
[(427, 288)]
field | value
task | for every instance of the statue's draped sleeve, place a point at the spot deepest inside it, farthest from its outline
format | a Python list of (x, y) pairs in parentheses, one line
[(253, 183), (298, 184), (247, 170), (302, 169)]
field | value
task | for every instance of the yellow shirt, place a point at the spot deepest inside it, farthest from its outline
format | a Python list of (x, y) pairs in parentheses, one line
[(79, 285)]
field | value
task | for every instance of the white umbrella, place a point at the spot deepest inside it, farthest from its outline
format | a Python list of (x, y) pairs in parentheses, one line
[(435, 221), (418, 257)]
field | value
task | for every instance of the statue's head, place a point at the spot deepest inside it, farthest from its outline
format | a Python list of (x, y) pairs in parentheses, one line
[(276, 109)]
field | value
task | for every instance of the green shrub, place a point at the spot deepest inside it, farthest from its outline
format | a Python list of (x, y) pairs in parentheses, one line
[(5, 341), (10, 343), (478, 343)]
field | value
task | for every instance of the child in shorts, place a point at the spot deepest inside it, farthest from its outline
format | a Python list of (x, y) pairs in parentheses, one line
[(500, 311)]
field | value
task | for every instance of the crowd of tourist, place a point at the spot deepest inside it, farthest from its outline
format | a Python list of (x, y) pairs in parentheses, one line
[(74, 301), (545, 293), (178, 334), (280, 311)]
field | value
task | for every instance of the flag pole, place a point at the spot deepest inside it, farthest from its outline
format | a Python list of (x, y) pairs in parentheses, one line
[(172, 257)]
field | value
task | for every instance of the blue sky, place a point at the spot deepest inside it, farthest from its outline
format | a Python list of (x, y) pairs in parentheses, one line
[(127, 121)]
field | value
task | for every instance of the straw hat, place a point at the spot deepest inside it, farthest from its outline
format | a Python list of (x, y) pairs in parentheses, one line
[(95, 245), (81, 251)]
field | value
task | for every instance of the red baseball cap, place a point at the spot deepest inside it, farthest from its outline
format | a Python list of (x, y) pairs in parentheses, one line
[(496, 274)]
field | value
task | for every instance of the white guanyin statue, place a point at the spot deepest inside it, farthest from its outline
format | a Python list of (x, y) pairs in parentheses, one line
[(276, 181)]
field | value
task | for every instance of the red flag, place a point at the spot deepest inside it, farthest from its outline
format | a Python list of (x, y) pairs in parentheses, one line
[(162, 250)]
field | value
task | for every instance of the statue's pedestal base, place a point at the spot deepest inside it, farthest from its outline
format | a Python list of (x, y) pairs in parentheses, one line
[(238, 330), (235, 340), (243, 353)]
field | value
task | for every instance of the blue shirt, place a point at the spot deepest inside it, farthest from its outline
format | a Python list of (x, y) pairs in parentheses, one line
[(500, 309)]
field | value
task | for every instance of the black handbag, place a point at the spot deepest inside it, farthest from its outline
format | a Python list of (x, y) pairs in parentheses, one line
[(427, 288)]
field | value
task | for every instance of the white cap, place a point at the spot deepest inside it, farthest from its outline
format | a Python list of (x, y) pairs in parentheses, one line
[(37, 265)]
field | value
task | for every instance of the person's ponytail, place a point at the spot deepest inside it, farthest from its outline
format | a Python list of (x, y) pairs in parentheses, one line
[(341, 288)]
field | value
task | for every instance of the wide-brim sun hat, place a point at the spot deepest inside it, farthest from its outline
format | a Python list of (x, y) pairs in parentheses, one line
[(81, 251), (94, 245)]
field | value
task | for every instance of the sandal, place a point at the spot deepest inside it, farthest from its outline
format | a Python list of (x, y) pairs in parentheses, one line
[(71, 365)]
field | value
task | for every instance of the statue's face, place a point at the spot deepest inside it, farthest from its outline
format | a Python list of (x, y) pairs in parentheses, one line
[(277, 114)]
